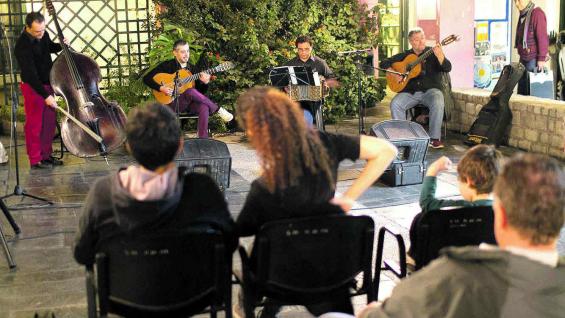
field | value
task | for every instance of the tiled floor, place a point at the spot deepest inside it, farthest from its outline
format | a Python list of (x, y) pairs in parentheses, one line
[(47, 278)]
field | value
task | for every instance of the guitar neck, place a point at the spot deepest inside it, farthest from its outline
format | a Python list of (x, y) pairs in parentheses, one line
[(194, 77), (423, 56)]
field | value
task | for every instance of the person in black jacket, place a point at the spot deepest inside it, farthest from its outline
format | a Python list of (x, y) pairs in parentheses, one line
[(33, 53), (425, 89), (304, 57), (154, 196), (299, 172), (192, 100)]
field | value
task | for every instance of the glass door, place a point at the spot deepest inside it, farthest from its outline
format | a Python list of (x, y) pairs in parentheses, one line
[(392, 27)]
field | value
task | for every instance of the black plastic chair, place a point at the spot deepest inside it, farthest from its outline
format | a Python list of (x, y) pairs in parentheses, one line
[(307, 260), (163, 275), (454, 226)]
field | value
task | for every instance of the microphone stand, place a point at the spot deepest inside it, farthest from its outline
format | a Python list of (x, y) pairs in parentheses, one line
[(360, 101), (3, 207), (175, 94), (18, 190), (360, 67)]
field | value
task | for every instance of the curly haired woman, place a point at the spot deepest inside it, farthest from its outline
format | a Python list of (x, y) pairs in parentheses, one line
[(299, 169)]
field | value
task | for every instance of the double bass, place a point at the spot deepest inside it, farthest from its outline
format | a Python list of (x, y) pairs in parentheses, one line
[(92, 125)]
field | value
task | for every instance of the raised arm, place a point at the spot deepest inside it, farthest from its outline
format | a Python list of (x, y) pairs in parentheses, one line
[(379, 153)]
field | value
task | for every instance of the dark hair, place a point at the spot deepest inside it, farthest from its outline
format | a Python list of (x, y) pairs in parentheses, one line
[(415, 31), (480, 165), (531, 188), (34, 16), (153, 134), (178, 43), (287, 148), (303, 39)]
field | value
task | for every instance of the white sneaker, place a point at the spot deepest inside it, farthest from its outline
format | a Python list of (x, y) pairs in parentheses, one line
[(225, 115)]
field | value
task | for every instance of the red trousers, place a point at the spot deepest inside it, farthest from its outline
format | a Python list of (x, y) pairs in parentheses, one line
[(40, 124)]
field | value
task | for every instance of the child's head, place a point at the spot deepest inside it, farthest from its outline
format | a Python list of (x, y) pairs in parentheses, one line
[(477, 170), (153, 134)]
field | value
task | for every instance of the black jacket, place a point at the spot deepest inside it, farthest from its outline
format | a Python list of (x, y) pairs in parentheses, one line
[(109, 211), (34, 59), (430, 77), (170, 67)]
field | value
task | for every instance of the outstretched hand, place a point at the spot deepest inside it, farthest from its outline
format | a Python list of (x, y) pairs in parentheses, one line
[(442, 164), (343, 202)]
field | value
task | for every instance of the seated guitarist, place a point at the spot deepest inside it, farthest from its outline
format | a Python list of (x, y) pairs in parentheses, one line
[(192, 100), (425, 89)]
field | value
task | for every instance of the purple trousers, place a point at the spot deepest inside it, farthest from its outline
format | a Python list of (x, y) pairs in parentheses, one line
[(39, 127), (196, 103)]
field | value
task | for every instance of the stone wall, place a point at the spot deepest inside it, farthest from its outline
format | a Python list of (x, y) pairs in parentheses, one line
[(538, 125)]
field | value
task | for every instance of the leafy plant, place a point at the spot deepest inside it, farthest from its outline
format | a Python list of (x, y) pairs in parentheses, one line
[(258, 35), (162, 44), (130, 92)]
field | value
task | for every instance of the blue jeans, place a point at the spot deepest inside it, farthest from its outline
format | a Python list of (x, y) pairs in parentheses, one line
[(432, 99), (524, 82), (308, 118)]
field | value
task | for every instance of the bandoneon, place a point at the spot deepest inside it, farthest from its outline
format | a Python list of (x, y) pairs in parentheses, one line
[(299, 82)]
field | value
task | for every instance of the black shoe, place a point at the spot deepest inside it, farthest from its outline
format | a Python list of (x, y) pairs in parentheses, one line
[(40, 166), (53, 161)]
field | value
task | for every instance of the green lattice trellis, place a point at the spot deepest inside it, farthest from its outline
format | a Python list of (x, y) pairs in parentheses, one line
[(116, 33)]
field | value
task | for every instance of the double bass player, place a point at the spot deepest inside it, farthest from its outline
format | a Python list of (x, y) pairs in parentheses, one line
[(33, 53)]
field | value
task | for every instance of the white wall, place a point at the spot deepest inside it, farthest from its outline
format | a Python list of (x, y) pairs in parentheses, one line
[(458, 17)]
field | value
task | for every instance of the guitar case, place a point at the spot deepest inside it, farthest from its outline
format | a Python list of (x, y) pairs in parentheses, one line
[(495, 117)]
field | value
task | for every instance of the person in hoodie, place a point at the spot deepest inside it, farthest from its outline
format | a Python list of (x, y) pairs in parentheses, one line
[(153, 196), (523, 276)]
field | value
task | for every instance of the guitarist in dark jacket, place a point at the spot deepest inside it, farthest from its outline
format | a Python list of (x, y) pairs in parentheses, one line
[(425, 89), (192, 100)]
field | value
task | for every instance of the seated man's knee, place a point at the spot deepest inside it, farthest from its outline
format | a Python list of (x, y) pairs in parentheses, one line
[(436, 93), (435, 96), (395, 104)]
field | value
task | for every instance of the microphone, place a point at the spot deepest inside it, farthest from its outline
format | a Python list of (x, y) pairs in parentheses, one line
[(354, 52)]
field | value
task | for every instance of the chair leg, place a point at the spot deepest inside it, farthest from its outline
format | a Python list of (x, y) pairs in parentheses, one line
[(6, 248), (90, 293), (248, 302), (228, 296)]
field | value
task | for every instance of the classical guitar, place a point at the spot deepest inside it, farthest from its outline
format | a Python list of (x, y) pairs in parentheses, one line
[(411, 66), (185, 80)]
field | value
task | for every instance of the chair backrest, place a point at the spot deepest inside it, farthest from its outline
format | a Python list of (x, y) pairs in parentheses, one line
[(301, 260), (168, 274), (459, 226)]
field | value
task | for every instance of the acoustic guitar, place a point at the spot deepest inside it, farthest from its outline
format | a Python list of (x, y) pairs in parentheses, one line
[(185, 80), (411, 66)]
